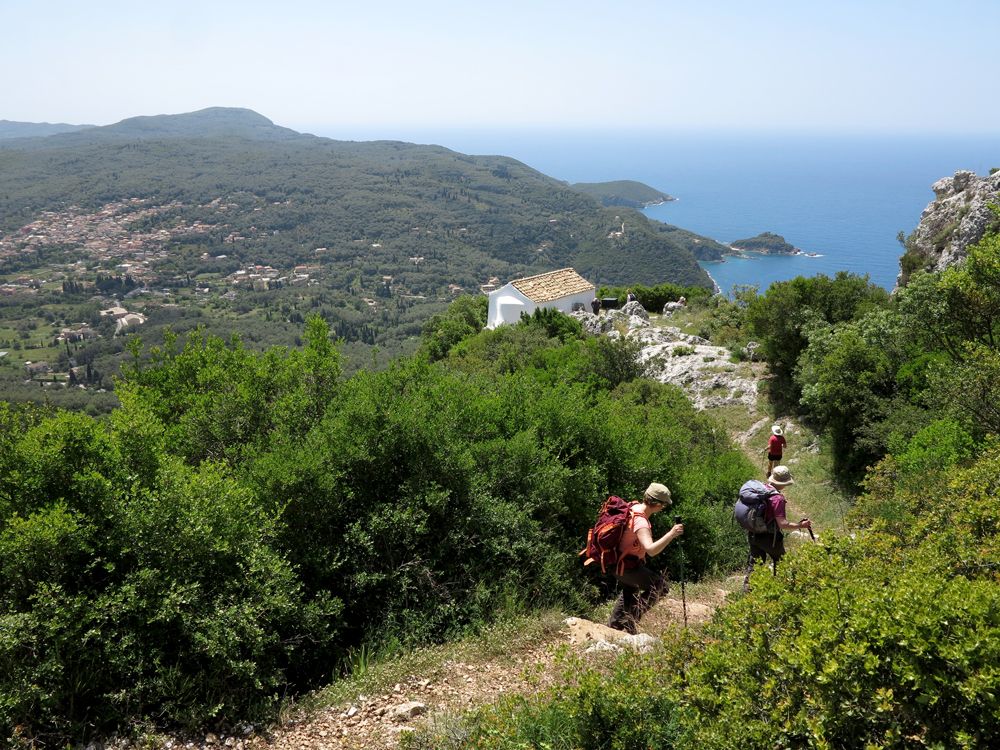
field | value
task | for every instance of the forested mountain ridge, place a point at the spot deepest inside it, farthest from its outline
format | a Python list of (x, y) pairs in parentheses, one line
[(229, 122), (481, 216)]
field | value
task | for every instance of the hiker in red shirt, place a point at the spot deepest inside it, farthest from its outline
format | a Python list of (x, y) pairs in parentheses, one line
[(641, 587), (775, 447), (771, 543)]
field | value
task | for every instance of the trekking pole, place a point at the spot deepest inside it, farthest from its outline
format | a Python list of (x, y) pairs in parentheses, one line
[(680, 548), (811, 535)]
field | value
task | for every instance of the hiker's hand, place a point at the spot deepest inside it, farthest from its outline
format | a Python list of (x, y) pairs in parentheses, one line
[(677, 530), (805, 523)]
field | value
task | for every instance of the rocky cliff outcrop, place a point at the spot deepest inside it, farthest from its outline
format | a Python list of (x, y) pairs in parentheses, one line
[(958, 216)]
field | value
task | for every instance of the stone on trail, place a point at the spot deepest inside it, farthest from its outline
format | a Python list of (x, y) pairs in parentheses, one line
[(604, 638), (634, 308), (408, 710)]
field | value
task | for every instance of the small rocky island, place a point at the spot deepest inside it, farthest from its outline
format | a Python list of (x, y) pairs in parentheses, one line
[(623, 193), (766, 242)]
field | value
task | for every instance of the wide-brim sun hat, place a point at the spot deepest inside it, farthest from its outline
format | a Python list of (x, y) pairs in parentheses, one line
[(659, 493), (780, 477), (776, 430)]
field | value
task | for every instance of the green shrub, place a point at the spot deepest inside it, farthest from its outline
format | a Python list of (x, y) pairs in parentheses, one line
[(216, 400), (936, 448), (778, 318), (122, 603), (655, 297), (465, 317), (555, 324), (822, 656)]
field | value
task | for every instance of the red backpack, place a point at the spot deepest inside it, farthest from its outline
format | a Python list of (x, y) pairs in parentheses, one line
[(603, 540)]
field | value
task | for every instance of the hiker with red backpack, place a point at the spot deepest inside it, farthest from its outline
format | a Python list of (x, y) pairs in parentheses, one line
[(620, 542), (760, 510)]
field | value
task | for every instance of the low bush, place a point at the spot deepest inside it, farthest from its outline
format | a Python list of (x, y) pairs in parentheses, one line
[(655, 297), (855, 644), (120, 601)]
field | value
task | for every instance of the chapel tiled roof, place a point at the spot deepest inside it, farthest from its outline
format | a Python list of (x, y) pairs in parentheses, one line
[(546, 287)]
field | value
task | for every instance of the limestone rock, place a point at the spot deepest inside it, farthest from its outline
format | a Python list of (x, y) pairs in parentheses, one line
[(703, 371), (626, 319), (408, 710), (642, 643), (608, 646), (634, 308), (594, 324), (752, 351), (672, 356), (958, 217), (580, 630), (602, 638)]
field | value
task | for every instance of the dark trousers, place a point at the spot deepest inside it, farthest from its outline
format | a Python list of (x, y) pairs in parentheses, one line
[(641, 588), (762, 546)]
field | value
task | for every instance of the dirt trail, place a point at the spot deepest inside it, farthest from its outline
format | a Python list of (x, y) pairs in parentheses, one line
[(375, 722)]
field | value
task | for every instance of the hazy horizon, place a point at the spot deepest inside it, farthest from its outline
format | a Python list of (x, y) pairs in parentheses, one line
[(776, 66), (391, 131)]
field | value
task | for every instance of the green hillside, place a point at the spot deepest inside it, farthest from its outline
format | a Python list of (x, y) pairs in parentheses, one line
[(253, 524), (703, 248), (622, 193)]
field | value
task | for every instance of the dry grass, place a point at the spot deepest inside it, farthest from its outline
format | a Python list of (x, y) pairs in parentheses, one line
[(384, 672)]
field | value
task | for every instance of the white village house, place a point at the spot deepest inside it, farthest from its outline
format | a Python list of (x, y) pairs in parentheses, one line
[(563, 289)]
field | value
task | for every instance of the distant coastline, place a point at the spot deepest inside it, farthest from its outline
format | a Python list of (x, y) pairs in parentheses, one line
[(716, 289)]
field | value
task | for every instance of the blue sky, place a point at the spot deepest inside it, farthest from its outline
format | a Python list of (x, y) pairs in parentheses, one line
[(373, 67)]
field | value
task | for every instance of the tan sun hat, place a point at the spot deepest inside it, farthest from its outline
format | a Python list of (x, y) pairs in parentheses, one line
[(659, 493), (780, 477), (776, 429)]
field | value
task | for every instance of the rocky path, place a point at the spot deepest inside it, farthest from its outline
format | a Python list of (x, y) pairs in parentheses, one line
[(375, 722)]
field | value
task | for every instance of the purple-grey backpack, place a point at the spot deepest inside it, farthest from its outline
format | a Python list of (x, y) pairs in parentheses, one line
[(750, 507)]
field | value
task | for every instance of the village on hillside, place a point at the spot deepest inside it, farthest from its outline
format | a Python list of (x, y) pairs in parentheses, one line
[(130, 259)]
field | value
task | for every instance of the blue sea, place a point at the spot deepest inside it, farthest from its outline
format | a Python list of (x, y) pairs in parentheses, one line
[(842, 197)]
